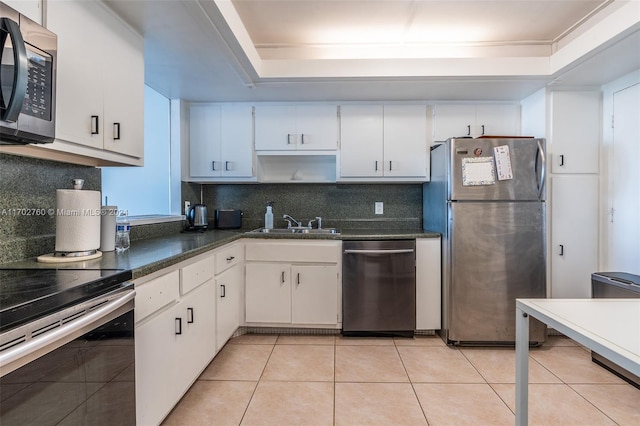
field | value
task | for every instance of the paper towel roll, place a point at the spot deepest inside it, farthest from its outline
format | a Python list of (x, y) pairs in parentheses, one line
[(77, 220), (108, 228)]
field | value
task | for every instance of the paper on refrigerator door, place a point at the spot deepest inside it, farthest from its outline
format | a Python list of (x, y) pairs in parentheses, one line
[(478, 171), (503, 162)]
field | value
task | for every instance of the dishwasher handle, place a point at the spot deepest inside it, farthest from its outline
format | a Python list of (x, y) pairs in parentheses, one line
[(398, 251)]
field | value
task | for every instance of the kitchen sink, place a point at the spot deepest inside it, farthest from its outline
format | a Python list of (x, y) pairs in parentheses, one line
[(297, 230)]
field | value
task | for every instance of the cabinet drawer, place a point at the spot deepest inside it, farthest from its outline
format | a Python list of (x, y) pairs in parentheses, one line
[(317, 252), (193, 275), (228, 257), (155, 294)]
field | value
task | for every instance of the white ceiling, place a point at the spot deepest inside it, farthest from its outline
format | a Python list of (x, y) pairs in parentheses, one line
[(243, 50)]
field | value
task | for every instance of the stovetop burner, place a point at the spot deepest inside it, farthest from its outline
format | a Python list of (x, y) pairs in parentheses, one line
[(27, 294)]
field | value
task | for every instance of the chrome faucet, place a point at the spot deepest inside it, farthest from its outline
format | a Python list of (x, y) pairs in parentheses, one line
[(318, 219), (289, 219)]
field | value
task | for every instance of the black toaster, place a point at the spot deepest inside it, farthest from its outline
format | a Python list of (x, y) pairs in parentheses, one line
[(228, 219)]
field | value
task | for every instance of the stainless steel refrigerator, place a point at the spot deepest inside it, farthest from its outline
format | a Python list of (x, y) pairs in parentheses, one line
[(487, 199)]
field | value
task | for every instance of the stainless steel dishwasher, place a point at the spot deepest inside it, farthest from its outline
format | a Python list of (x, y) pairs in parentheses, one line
[(379, 288)]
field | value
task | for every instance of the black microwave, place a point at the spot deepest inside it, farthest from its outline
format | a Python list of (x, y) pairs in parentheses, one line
[(27, 79)]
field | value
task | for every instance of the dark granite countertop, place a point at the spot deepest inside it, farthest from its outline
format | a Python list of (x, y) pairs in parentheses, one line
[(26, 285), (150, 255)]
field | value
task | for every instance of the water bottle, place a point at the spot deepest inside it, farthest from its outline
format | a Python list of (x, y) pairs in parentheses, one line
[(122, 234)]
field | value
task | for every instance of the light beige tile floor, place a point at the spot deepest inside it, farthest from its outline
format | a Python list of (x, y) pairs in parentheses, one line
[(331, 380)]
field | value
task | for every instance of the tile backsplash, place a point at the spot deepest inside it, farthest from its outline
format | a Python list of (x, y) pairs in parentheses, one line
[(27, 192), (340, 205)]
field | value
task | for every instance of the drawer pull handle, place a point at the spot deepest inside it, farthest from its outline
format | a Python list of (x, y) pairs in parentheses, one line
[(561, 250), (178, 326), (230, 258), (561, 159), (468, 130), (298, 279), (213, 166), (190, 315), (223, 290), (282, 278)]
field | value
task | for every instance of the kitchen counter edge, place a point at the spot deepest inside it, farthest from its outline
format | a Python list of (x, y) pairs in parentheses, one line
[(153, 254)]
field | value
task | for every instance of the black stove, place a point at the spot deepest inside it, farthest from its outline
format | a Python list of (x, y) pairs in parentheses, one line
[(28, 294)]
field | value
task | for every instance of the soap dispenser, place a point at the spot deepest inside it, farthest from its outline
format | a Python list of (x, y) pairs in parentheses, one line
[(268, 216)]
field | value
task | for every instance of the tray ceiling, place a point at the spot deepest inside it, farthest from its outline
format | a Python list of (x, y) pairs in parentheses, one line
[(206, 50)]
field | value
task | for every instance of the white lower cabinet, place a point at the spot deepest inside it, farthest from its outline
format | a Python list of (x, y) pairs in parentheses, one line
[(574, 235), (428, 284), (175, 338), (314, 294), (294, 283)]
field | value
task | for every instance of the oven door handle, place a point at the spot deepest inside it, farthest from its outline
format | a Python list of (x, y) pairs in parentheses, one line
[(21, 354), (399, 251), (20, 73)]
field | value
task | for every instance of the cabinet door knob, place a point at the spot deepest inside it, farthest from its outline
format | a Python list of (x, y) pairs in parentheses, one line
[(190, 315), (178, 326)]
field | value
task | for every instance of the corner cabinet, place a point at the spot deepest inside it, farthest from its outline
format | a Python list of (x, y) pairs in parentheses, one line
[(220, 143), (293, 283), (460, 120), (296, 127), (229, 278), (383, 143), (100, 84)]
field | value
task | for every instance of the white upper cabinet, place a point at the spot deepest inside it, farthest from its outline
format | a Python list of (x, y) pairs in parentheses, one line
[(385, 142), (464, 120), (361, 141), (287, 127), (575, 131), (405, 141), (30, 8), (100, 81), (220, 141)]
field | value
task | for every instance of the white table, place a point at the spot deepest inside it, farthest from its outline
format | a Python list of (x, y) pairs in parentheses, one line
[(610, 327)]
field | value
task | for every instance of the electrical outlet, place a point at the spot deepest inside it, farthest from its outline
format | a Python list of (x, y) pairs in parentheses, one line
[(187, 204), (379, 207)]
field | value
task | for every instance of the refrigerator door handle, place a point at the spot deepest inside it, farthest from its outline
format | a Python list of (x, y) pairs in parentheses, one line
[(543, 169)]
